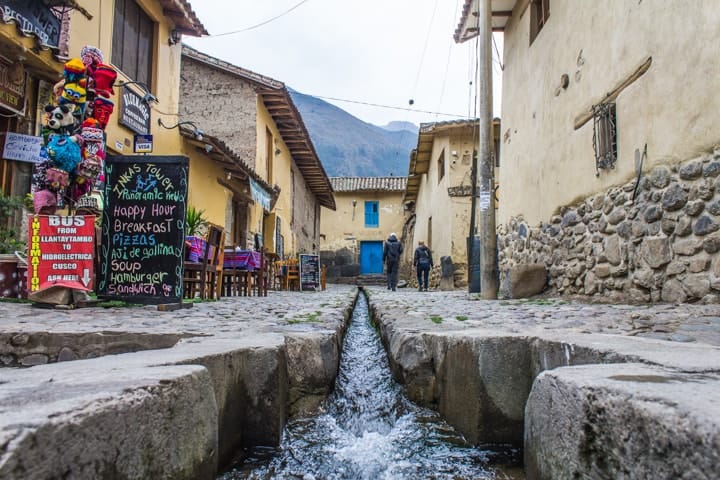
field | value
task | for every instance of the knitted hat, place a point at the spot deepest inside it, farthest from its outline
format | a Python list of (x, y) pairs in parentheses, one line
[(91, 56), (74, 70), (45, 199), (102, 109), (105, 77)]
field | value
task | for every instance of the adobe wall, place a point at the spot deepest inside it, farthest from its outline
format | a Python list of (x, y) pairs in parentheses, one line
[(220, 103), (660, 246)]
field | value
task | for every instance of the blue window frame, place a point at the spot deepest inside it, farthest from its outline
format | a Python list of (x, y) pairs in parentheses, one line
[(372, 216)]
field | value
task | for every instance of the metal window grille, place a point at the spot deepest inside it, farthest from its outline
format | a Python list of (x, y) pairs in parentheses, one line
[(604, 136)]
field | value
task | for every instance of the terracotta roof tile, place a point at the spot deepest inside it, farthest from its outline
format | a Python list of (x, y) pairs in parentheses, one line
[(368, 184)]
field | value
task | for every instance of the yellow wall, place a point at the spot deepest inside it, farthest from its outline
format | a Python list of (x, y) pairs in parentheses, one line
[(165, 76), (345, 226), (282, 166), (204, 192)]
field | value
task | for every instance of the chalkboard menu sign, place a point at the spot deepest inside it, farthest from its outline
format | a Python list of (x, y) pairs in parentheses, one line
[(143, 229), (309, 272)]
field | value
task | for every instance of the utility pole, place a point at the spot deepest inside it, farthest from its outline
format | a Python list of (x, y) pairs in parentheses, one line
[(488, 241)]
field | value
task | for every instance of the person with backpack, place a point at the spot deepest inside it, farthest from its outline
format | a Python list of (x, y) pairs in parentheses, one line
[(422, 262), (391, 256)]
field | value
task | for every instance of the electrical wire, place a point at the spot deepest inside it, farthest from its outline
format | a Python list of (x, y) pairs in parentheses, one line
[(424, 51), (252, 27), (447, 63), (388, 106), (497, 52)]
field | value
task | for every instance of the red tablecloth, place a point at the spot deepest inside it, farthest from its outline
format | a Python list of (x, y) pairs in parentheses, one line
[(243, 259)]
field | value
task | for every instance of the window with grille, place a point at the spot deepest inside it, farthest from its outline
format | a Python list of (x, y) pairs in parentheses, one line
[(372, 215), (132, 44), (539, 14), (604, 135)]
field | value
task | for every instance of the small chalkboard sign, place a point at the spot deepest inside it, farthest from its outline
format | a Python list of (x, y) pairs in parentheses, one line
[(143, 226), (309, 272)]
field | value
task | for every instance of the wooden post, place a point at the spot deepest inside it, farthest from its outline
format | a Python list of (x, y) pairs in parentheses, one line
[(488, 242)]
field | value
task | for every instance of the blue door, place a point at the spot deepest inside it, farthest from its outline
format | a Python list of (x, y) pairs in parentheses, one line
[(371, 257)]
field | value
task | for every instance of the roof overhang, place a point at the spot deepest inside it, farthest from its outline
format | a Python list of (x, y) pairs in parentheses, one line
[(217, 151), (293, 132), (502, 12), (183, 16)]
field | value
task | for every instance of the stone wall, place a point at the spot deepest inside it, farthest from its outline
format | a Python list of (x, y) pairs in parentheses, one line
[(343, 263), (650, 240), (220, 103)]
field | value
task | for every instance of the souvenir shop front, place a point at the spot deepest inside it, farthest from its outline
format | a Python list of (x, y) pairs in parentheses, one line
[(31, 61)]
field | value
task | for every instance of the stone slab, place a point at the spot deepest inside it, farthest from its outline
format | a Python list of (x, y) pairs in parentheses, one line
[(623, 421)]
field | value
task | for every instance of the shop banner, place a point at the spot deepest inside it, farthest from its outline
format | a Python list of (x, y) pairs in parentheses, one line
[(61, 251), (259, 194)]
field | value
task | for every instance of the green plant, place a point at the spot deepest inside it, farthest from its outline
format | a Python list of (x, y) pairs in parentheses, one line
[(10, 241), (195, 222), (461, 318), (436, 319)]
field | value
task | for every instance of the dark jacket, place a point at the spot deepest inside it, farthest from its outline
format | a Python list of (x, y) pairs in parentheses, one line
[(422, 256), (392, 249)]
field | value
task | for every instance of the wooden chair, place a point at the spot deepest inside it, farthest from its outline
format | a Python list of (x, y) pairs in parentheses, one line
[(204, 278), (278, 278), (292, 277)]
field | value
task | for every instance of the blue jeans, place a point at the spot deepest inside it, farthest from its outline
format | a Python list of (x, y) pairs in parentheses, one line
[(423, 271)]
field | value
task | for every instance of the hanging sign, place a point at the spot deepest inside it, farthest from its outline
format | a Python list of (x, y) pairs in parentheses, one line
[(32, 17), (134, 112), (24, 148), (143, 229), (143, 143), (12, 86), (61, 250)]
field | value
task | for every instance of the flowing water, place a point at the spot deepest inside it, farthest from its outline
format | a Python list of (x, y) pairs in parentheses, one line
[(367, 429)]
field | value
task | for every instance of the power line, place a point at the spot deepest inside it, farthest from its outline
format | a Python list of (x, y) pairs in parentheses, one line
[(259, 24), (389, 106)]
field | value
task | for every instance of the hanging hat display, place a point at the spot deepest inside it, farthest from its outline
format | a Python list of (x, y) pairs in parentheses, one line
[(105, 77), (45, 201), (73, 131)]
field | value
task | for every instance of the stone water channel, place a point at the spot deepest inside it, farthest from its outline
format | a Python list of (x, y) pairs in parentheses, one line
[(368, 429), (587, 391)]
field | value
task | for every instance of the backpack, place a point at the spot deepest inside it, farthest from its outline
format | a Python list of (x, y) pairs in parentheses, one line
[(423, 257)]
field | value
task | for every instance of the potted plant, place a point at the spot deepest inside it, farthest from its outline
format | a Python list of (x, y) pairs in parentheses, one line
[(195, 222), (11, 243), (195, 229)]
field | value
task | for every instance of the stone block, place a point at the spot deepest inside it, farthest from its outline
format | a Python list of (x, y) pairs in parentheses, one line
[(522, 281), (621, 421)]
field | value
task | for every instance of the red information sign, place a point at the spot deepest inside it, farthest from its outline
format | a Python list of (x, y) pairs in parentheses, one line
[(61, 251)]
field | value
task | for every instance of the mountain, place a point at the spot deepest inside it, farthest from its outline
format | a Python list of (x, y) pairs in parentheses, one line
[(349, 147)]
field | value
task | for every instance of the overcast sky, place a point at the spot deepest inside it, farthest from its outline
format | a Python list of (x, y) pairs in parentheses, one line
[(384, 52)]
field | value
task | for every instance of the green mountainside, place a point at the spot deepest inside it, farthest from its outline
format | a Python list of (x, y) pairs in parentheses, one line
[(349, 147)]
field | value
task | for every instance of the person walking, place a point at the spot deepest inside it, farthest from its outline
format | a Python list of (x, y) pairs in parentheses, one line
[(423, 262), (391, 256)]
